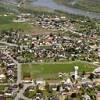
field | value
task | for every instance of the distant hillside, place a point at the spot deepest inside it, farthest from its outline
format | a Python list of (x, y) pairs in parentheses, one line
[(11, 1), (8, 6), (89, 5)]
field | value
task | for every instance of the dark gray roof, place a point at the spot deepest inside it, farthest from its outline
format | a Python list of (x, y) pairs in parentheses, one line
[(2, 98)]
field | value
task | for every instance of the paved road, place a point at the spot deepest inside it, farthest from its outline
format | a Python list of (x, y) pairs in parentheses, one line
[(18, 68), (20, 94), (8, 44), (64, 62), (11, 44)]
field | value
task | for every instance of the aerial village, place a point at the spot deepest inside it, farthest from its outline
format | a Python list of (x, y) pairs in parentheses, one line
[(52, 47)]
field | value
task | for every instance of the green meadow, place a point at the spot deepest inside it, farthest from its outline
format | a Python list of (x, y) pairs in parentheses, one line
[(51, 71)]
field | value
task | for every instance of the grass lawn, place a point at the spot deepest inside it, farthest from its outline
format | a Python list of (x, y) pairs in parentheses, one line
[(9, 98), (2, 87), (51, 70), (6, 19), (22, 26)]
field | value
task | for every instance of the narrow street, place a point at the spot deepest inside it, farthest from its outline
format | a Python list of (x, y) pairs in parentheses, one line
[(20, 94), (18, 68)]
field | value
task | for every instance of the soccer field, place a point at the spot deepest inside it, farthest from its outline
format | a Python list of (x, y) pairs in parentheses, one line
[(51, 71)]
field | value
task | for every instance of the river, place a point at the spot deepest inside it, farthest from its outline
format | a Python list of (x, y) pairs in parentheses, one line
[(52, 5)]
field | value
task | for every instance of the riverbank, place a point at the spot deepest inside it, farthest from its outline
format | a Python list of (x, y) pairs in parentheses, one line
[(52, 5), (89, 5)]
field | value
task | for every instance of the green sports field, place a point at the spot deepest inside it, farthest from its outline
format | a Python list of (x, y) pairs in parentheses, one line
[(51, 71)]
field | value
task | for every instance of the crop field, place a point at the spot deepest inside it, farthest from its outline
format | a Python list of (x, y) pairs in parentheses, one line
[(6, 23), (50, 71)]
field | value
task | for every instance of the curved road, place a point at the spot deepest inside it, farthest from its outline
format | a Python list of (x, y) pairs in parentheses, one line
[(20, 94)]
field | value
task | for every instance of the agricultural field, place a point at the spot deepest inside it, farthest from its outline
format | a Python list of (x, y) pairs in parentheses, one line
[(50, 71), (89, 5), (6, 23)]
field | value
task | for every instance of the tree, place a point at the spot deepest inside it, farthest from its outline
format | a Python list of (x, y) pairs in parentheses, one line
[(91, 76), (2, 64), (58, 87), (83, 73), (47, 86), (73, 95), (20, 85)]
